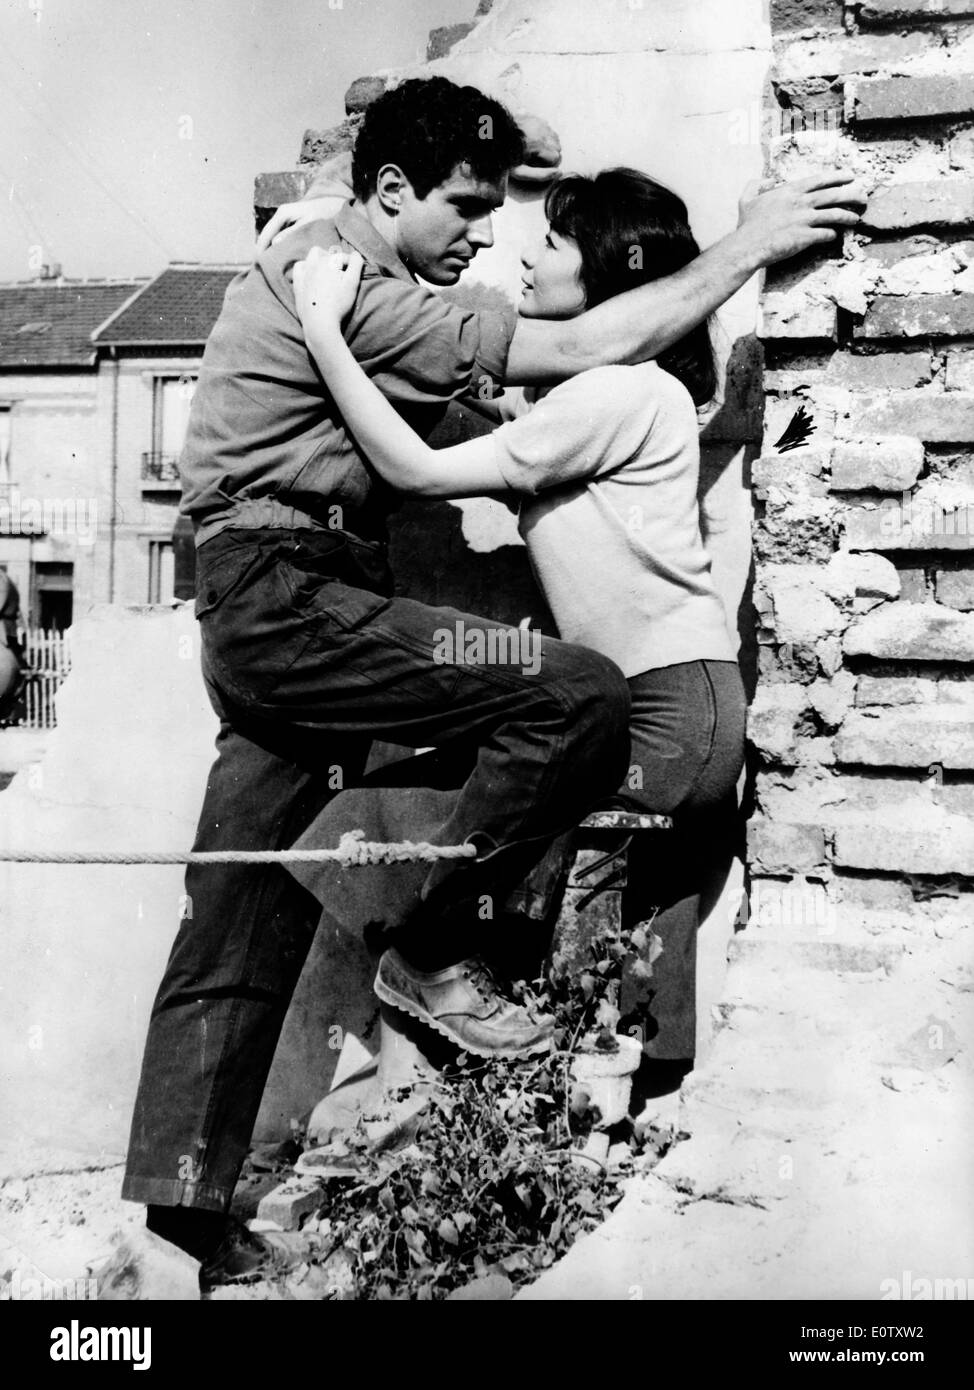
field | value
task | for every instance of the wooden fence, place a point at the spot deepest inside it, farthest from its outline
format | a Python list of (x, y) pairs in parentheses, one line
[(48, 659)]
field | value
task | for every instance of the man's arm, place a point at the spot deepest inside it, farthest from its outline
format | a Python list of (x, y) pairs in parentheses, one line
[(646, 321)]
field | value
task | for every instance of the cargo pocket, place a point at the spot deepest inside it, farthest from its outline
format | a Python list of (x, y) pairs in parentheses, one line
[(219, 578)]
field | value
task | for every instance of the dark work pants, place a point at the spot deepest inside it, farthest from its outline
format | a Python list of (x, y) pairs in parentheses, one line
[(307, 659), (687, 729)]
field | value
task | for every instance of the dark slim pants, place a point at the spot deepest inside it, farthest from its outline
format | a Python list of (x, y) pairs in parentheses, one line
[(307, 659)]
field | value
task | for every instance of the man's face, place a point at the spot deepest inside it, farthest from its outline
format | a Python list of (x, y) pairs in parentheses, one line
[(438, 236)]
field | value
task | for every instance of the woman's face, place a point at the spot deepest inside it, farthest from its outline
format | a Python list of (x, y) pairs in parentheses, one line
[(552, 279)]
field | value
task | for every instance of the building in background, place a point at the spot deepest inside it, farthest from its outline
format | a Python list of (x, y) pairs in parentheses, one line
[(96, 380)]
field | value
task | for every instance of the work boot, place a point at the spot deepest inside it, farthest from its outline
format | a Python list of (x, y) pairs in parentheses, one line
[(462, 1002)]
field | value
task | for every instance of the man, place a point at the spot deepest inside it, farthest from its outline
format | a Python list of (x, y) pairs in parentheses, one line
[(308, 658)]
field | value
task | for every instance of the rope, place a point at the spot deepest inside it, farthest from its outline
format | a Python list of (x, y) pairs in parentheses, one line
[(353, 849)]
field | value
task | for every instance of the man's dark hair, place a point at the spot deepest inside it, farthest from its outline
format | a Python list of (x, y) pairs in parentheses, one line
[(430, 125), (614, 215)]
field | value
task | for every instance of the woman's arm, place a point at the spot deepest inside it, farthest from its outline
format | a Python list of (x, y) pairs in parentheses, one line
[(325, 285)]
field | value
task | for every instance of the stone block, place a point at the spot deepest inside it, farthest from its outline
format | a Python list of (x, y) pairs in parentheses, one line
[(911, 737), (788, 531), (838, 57), (955, 588), (960, 369), (442, 40), (792, 314), (362, 93), (931, 203), (831, 699), (892, 464), (930, 518), (934, 844), (909, 98), (802, 611), (912, 632), (773, 719), (798, 470), (892, 371), (779, 848), (895, 690), (289, 1203), (289, 186), (894, 11), (805, 14), (936, 417), (319, 145), (919, 316), (849, 575)]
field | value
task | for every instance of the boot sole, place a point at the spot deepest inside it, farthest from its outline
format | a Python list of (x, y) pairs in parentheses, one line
[(407, 1006)]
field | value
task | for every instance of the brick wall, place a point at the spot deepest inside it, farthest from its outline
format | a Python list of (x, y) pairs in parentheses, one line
[(862, 729)]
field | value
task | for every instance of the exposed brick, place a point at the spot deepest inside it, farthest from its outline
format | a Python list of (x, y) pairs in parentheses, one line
[(907, 526), (796, 315), (362, 93), (319, 145), (288, 1204), (914, 737), (441, 41), (913, 584), (960, 370), (798, 470), (933, 203), (896, 371), (912, 632), (935, 845), (887, 11), (832, 699), (955, 588), (805, 14), (784, 534), (840, 56), (779, 848), (271, 190), (894, 690), (849, 575), (884, 465), (925, 315), (802, 611), (773, 719), (935, 417), (909, 98)]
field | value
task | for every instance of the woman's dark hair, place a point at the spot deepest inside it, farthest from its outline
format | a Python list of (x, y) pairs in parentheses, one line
[(428, 126), (630, 230)]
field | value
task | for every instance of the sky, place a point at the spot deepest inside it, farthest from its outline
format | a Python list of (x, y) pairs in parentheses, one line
[(131, 130)]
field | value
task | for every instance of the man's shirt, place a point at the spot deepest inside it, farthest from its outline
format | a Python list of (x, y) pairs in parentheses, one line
[(266, 445)]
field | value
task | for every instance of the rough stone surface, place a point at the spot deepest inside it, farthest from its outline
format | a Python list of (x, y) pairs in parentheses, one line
[(934, 203), (802, 611), (909, 738), (837, 57), (849, 576), (918, 521), (903, 98), (930, 316), (882, 465), (773, 719), (289, 1203), (912, 632), (955, 588), (805, 14)]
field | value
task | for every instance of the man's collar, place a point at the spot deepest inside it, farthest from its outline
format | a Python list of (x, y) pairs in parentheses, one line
[(358, 231)]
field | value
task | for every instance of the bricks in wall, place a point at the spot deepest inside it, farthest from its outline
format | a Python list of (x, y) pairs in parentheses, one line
[(864, 535)]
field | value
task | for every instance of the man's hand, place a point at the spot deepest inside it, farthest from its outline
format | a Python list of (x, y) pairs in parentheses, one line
[(795, 216), (325, 286)]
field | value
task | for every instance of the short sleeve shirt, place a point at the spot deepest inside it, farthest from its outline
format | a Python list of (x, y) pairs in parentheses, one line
[(263, 427)]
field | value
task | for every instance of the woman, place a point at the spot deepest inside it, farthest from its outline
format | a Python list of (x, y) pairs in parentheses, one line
[(607, 464)]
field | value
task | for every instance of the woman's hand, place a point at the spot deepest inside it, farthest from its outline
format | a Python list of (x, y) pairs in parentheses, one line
[(325, 286)]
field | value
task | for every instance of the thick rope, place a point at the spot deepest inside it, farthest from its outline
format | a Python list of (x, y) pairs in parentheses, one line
[(353, 849)]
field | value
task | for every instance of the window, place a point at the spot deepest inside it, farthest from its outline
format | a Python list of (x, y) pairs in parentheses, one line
[(6, 418), (53, 594), (162, 574), (171, 400)]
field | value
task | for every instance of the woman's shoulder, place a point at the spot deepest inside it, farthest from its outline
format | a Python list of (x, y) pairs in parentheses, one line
[(642, 387)]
